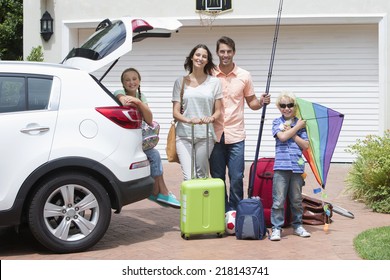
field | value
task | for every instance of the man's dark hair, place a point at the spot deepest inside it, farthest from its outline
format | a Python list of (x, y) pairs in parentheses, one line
[(227, 41)]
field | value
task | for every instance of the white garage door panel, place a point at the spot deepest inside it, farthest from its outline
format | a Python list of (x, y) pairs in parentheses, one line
[(334, 65)]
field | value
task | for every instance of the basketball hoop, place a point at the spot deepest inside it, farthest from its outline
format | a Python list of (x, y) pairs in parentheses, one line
[(208, 10), (207, 17)]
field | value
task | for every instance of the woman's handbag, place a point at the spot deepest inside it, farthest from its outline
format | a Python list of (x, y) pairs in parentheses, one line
[(171, 144), (150, 134), (171, 139)]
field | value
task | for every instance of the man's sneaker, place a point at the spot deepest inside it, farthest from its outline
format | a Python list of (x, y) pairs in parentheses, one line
[(169, 199), (275, 236), (153, 197), (300, 231)]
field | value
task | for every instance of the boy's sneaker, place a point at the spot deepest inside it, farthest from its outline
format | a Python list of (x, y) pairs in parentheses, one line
[(300, 231), (153, 198), (275, 236), (169, 199)]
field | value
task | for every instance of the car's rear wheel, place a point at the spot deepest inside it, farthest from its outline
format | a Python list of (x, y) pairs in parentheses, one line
[(70, 212)]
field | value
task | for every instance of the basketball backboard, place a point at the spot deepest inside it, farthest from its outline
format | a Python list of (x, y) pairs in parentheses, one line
[(208, 10), (213, 5)]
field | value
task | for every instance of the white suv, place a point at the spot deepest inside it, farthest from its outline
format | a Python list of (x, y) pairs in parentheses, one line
[(69, 152)]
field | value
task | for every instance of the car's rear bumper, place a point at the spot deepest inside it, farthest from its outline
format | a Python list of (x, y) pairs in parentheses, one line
[(130, 192)]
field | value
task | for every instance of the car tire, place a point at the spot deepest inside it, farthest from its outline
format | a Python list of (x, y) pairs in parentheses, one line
[(69, 212)]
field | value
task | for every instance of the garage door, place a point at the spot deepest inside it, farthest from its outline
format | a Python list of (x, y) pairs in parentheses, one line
[(334, 65)]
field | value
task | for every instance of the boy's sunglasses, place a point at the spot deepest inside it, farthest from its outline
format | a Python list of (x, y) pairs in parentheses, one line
[(289, 105)]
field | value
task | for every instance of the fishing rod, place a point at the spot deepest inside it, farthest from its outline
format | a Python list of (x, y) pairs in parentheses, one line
[(271, 64)]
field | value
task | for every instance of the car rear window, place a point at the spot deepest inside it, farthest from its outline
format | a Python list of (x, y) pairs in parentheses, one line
[(101, 43)]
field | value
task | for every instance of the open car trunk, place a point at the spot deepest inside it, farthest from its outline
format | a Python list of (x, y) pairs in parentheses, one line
[(112, 40)]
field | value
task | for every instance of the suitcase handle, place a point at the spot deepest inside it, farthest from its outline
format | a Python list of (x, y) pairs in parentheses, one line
[(193, 154)]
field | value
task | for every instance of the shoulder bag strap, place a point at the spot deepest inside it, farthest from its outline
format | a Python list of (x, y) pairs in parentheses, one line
[(181, 96)]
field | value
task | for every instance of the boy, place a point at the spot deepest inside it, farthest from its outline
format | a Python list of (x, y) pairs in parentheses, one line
[(291, 138)]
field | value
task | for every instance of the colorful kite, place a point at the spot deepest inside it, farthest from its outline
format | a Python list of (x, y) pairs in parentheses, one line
[(323, 127)]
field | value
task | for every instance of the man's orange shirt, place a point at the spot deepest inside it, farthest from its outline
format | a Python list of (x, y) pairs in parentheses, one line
[(235, 87)]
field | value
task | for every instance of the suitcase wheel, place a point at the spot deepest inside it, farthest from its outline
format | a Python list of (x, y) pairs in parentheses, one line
[(219, 235), (185, 236)]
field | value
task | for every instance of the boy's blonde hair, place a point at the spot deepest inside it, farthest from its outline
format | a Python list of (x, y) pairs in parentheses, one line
[(287, 95)]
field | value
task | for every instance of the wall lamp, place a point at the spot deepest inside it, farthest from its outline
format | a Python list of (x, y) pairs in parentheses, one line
[(46, 26)]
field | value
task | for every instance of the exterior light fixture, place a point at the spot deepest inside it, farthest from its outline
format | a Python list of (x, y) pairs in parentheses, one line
[(46, 26)]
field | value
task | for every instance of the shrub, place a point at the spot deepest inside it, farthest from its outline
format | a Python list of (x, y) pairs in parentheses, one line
[(369, 178), (36, 54)]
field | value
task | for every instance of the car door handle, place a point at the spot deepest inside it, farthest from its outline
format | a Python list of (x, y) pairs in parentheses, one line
[(35, 129)]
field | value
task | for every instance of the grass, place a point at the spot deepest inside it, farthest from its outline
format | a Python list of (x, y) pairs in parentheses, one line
[(373, 244)]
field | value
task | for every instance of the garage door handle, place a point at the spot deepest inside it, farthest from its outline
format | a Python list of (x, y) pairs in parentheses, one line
[(35, 129)]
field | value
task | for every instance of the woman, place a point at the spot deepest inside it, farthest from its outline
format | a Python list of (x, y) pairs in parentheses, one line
[(131, 96), (200, 103)]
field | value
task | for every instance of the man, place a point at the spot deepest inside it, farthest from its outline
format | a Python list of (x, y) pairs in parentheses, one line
[(228, 151)]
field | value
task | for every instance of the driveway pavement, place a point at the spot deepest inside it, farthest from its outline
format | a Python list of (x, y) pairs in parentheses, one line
[(147, 231)]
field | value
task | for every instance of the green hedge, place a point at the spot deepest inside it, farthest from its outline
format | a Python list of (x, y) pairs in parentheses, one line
[(369, 178)]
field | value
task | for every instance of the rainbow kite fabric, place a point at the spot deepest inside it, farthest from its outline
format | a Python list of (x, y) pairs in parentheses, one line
[(323, 127)]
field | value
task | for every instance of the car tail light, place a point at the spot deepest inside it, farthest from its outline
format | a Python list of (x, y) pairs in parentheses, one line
[(126, 117), (140, 25)]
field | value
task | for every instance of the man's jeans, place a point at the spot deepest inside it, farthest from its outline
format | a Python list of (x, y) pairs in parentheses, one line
[(232, 157)]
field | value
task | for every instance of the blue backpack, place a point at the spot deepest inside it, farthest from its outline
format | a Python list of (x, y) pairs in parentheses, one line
[(250, 222)]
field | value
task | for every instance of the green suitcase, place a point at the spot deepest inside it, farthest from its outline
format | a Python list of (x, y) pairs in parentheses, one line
[(202, 206)]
